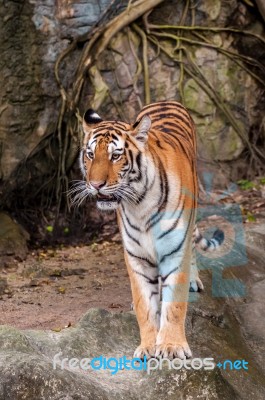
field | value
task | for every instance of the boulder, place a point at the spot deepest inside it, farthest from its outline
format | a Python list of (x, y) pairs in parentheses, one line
[(13, 240), (31, 365)]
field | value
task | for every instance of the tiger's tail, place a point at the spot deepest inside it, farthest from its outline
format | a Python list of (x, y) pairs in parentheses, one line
[(209, 244)]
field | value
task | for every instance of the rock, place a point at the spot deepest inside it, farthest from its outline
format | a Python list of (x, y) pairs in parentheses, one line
[(3, 286), (228, 327), (27, 370), (13, 240), (212, 8), (217, 139), (253, 313), (37, 32)]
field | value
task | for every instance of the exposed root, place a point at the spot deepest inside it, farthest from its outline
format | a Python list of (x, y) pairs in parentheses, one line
[(183, 36)]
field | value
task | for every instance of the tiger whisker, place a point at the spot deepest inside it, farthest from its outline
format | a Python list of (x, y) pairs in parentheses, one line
[(78, 193)]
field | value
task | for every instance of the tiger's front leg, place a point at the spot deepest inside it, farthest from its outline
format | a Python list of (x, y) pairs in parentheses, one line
[(145, 293), (175, 276)]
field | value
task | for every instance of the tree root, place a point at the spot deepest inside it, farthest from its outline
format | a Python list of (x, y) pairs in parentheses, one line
[(184, 37)]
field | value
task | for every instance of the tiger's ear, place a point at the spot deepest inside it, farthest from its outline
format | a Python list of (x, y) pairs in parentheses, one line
[(141, 129), (90, 119)]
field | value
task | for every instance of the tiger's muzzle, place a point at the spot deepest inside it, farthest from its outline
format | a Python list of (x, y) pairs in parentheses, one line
[(107, 202)]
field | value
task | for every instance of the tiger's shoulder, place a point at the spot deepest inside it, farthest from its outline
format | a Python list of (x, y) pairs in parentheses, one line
[(171, 126), (167, 112)]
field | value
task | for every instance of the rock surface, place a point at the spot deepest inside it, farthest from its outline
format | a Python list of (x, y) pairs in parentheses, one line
[(229, 326), (37, 32), (13, 240), (27, 372)]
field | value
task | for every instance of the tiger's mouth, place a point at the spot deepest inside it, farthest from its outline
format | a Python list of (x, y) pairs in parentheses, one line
[(103, 197), (106, 203)]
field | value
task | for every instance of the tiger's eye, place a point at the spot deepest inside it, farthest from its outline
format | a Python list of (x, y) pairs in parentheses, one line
[(89, 154), (115, 156)]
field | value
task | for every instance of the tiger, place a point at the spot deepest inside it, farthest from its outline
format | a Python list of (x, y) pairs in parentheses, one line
[(146, 172)]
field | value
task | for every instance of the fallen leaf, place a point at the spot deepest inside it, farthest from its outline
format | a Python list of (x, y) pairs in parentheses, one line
[(251, 217), (56, 329)]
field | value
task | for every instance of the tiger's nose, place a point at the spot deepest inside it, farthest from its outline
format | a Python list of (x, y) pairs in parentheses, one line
[(97, 184)]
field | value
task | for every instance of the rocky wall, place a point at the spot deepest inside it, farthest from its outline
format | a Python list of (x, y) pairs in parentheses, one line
[(34, 33)]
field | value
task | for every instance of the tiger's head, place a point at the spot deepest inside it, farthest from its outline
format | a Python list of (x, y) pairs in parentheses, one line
[(112, 160)]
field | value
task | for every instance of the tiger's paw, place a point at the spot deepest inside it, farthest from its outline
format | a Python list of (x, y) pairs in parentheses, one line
[(144, 350), (171, 351), (196, 285)]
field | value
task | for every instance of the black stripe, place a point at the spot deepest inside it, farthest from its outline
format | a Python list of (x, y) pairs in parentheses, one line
[(169, 109), (173, 135), (129, 222), (142, 259), (138, 160), (185, 150), (128, 233), (154, 106), (170, 142), (175, 223), (162, 200), (121, 125), (177, 105), (160, 117), (163, 278), (114, 136), (158, 144), (172, 126), (117, 132), (155, 218), (126, 166), (131, 158), (142, 195), (96, 135), (151, 281), (138, 177), (182, 242), (162, 128), (179, 143), (166, 109), (174, 250)]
